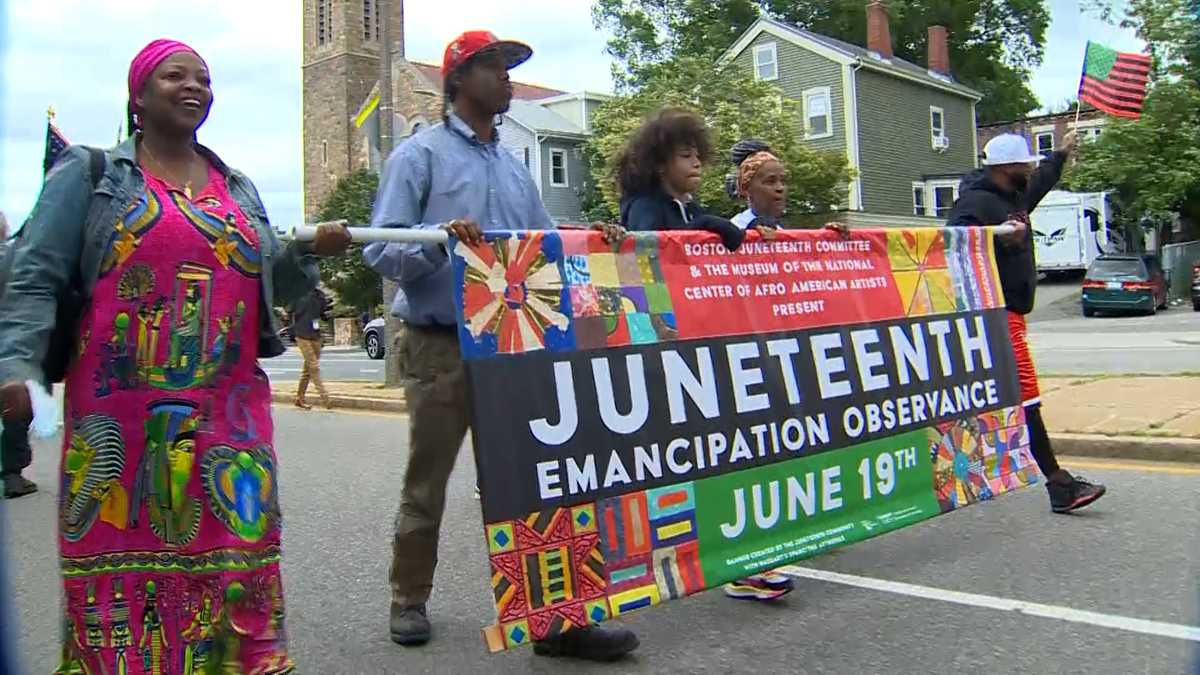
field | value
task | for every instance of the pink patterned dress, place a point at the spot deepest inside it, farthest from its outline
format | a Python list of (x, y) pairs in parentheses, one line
[(169, 508)]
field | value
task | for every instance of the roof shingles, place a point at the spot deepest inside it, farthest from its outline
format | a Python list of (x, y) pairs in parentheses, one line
[(521, 90), (895, 63)]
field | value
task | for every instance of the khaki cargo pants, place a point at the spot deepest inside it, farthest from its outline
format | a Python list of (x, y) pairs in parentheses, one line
[(439, 413), (310, 349)]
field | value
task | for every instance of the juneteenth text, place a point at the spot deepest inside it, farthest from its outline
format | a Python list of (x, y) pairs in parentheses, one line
[(594, 424)]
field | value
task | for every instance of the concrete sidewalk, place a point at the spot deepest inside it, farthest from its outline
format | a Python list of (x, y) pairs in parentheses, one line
[(1145, 418)]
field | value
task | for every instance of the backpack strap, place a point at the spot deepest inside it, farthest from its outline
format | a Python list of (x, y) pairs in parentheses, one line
[(97, 161)]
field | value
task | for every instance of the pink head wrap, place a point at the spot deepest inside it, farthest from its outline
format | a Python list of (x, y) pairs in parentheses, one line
[(151, 57)]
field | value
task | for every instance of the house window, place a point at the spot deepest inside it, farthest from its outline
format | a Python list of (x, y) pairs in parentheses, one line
[(937, 124), (766, 62), (944, 196), (818, 113), (1045, 142), (522, 156), (369, 23), (324, 22), (558, 168), (324, 153), (918, 192)]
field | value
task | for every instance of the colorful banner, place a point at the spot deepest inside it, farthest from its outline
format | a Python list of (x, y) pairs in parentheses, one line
[(662, 416)]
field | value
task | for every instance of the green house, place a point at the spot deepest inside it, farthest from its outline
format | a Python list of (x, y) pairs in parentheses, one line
[(908, 130)]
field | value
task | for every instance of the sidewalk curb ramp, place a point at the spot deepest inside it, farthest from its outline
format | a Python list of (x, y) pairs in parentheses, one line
[(1148, 448)]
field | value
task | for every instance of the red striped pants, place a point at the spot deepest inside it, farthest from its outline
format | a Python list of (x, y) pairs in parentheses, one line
[(1026, 373)]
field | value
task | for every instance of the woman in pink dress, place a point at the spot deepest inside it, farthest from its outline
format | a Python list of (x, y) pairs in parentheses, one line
[(169, 502)]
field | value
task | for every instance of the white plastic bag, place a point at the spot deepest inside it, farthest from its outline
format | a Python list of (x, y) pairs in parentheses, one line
[(47, 415)]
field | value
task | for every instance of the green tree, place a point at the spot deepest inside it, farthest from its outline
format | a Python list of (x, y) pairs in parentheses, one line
[(994, 44), (1169, 28), (1150, 163), (735, 107), (356, 285)]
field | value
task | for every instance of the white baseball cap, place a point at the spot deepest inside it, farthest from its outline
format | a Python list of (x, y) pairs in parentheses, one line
[(1008, 149)]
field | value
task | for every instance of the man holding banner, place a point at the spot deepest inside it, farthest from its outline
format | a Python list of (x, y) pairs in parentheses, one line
[(454, 177), (1005, 192)]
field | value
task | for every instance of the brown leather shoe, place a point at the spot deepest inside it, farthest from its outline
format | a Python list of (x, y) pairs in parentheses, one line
[(16, 485), (303, 405), (410, 625)]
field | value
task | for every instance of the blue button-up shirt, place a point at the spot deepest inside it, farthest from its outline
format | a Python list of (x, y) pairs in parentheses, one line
[(442, 174)]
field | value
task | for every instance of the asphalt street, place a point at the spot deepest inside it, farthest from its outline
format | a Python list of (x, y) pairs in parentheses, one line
[(1066, 343), (1120, 579), (337, 363)]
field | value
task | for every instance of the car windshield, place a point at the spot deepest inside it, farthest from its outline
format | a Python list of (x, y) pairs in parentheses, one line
[(1105, 270)]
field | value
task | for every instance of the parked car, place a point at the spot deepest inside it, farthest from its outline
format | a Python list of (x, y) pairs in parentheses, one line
[(373, 339), (1124, 283), (1196, 287)]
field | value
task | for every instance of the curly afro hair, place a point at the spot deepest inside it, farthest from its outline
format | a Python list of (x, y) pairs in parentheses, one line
[(654, 144)]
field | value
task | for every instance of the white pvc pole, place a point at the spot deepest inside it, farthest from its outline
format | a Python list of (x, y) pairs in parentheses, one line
[(364, 235)]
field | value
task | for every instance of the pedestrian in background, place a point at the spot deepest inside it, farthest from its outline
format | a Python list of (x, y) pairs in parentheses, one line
[(169, 523), (1004, 192), (16, 454), (307, 313)]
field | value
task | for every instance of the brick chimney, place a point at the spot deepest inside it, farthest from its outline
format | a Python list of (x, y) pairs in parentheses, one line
[(939, 49), (879, 34)]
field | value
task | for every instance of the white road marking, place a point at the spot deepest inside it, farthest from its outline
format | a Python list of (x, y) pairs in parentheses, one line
[(368, 370), (1125, 623), (1127, 350)]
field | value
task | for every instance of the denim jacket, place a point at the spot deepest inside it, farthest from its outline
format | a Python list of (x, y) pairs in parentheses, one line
[(66, 236)]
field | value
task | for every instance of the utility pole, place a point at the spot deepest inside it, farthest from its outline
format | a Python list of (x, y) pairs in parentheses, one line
[(393, 328), (386, 103)]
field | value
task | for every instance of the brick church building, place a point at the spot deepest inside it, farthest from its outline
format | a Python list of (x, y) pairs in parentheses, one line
[(341, 52)]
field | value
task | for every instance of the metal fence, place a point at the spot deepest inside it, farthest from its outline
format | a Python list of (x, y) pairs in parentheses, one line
[(1178, 260)]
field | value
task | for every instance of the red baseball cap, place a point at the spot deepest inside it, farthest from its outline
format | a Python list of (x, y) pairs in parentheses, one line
[(472, 42)]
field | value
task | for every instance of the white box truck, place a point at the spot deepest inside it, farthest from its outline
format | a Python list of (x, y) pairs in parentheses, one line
[(1070, 229)]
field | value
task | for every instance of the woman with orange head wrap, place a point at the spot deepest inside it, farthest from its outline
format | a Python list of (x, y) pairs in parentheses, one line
[(760, 180)]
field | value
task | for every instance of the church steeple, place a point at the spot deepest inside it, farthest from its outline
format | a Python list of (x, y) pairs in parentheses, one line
[(341, 43)]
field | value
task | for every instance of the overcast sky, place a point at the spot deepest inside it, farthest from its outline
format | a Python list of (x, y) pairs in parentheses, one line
[(74, 55)]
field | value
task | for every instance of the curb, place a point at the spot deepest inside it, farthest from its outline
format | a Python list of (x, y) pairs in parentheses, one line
[(380, 405), (1153, 449), (1147, 448)]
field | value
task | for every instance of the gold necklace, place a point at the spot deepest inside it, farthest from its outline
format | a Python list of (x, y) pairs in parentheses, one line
[(187, 186)]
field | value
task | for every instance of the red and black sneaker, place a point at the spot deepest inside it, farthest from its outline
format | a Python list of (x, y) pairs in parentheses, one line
[(1074, 494)]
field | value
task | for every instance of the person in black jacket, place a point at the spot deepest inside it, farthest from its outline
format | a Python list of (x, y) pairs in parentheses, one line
[(1005, 192), (658, 174), (307, 314)]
